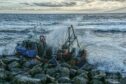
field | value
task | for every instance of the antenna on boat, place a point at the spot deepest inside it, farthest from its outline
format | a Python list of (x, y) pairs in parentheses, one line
[(71, 38), (75, 36)]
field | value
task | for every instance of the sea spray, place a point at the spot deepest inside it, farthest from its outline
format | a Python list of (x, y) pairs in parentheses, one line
[(8, 49), (57, 37)]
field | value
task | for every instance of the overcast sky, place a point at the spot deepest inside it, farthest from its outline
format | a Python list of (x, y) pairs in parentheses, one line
[(61, 6)]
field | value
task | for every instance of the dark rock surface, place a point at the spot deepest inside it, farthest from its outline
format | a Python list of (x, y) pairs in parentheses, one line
[(14, 71)]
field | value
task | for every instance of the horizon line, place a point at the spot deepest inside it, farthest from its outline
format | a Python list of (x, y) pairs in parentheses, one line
[(57, 12)]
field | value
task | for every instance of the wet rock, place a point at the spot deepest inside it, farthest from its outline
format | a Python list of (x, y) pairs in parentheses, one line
[(57, 75), (51, 72), (102, 73), (8, 60), (64, 72), (4, 82), (87, 67), (73, 73), (123, 81), (16, 71), (96, 74), (50, 79), (35, 70), (65, 65), (97, 77), (58, 72), (2, 73), (21, 79), (80, 71), (93, 73), (64, 80), (113, 81), (14, 64), (30, 63), (95, 81), (114, 75), (6, 75), (80, 80), (42, 77), (84, 75), (39, 75)]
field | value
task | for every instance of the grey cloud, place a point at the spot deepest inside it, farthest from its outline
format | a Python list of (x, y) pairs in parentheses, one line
[(114, 0), (64, 4), (49, 4), (106, 0)]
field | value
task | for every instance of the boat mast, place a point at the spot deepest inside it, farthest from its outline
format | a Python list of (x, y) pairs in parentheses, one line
[(71, 38)]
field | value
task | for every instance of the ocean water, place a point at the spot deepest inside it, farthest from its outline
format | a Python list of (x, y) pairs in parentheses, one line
[(102, 35)]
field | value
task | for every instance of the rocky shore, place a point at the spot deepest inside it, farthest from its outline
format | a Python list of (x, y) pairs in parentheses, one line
[(14, 71)]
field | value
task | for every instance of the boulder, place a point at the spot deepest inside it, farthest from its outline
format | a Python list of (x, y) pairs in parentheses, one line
[(13, 64), (51, 71), (5, 75), (95, 81), (102, 73), (4, 82), (22, 79), (16, 71), (64, 71), (96, 76), (10, 59), (84, 75), (87, 67), (80, 71), (35, 70), (42, 77), (94, 73), (64, 80), (73, 73), (113, 81), (2, 74), (80, 80), (123, 81), (65, 65), (50, 79), (39, 75), (99, 77), (30, 63), (115, 75)]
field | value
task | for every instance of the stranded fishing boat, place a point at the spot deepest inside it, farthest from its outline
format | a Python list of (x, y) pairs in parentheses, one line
[(41, 51)]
